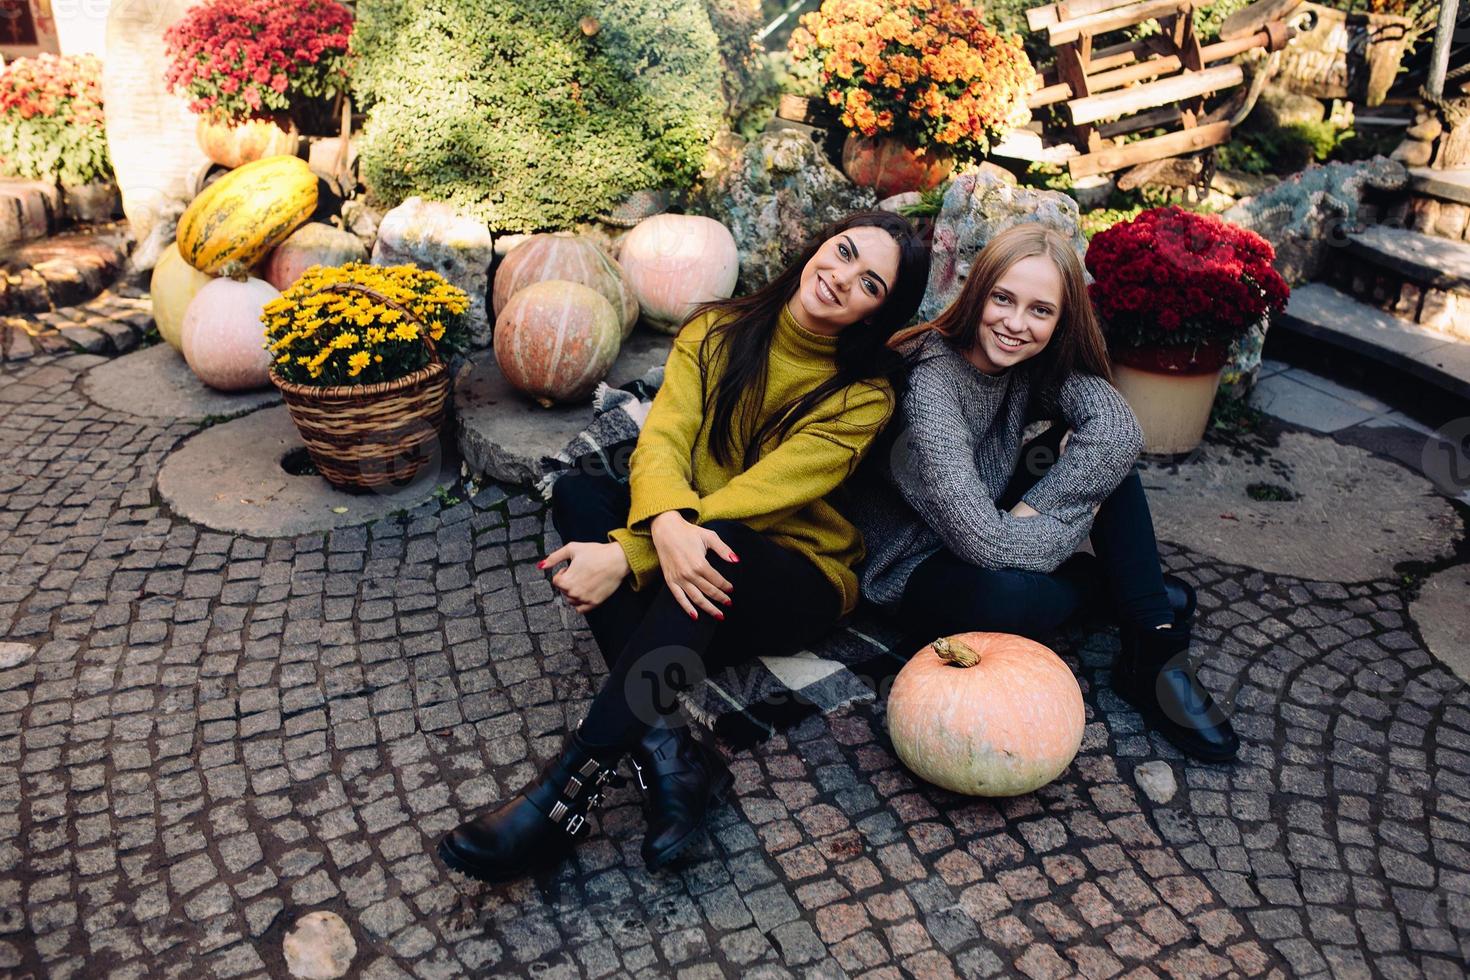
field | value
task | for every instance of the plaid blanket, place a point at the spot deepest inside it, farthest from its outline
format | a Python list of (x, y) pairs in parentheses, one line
[(605, 445)]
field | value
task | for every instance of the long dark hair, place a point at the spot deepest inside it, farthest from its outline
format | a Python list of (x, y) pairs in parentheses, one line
[(747, 326), (1076, 345)]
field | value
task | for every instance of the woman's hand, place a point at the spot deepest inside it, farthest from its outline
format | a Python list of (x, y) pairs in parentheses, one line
[(683, 554), (594, 573)]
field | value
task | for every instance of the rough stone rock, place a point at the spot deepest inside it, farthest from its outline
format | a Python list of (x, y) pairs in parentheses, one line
[(1278, 106), (432, 235), (1414, 153), (1315, 210), (905, 200), (150, 133), (774, 194), (976, 207), (504, 435), (1156, 779), (361, 220), (14, 654), (320, 947), (1427, 128), (1355, 516), (1442, 613), (1239, 184)]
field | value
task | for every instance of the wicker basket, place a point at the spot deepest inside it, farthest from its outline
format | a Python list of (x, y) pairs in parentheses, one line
[(365, 437)]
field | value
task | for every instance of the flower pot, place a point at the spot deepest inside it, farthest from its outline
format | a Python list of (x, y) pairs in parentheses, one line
[(234, 145), (94, 203), (889, 166), (1171, 391), (364, 437)]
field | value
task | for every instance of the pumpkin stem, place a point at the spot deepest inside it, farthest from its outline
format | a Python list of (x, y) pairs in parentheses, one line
[(955, 653), (236, 270)]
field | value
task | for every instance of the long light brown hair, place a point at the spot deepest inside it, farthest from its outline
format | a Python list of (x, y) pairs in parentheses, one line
[(1077, 344)]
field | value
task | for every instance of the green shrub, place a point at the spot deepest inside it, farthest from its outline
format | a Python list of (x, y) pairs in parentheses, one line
[(748, 75), (508, 110)]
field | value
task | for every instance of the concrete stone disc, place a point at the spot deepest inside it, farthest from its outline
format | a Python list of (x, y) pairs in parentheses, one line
[(229, 478), (155, 382), (1442, 613), (1354, 518), (504, 434)]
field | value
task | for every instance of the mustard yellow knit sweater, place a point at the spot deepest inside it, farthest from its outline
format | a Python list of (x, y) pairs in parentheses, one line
[(672, 467)]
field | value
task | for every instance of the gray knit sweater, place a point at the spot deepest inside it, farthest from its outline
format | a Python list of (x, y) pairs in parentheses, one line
[(933, 483)]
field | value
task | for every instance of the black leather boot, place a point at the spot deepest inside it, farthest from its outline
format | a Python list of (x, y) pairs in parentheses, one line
[(1153, 673), (539, 825), (682, 781), (1182, 600)]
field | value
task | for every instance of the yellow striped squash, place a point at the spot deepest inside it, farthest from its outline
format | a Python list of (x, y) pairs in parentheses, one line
[(246, 213)]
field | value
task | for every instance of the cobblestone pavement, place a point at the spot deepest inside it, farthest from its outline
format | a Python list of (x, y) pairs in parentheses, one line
[(204, 737)]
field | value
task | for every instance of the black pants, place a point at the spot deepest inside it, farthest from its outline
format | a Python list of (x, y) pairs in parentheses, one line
[(947, 595), (652, 647)]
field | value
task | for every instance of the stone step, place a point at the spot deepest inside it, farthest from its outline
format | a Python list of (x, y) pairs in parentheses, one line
[(1447, 185), (29, 209), (1323, 314), (503, 434), (1435, 262)]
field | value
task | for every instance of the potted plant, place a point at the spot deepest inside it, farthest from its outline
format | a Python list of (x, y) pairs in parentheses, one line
[(51, 128), (918, 83), (358, 352), (1174, 290), (254, 69)]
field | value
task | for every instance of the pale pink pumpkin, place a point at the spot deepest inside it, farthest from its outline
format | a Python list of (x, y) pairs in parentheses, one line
[(571, 258), (986, 714), (314, 243), (555, 340), (223, 339), (674, 261)]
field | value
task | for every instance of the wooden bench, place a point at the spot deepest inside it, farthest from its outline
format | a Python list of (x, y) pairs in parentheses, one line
[(1154, 82)]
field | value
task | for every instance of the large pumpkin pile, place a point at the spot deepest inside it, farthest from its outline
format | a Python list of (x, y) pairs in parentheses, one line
[(242, 241), (563, 306)]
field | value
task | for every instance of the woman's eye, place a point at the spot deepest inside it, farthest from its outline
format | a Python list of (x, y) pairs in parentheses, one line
[(1000, 297), (872, 289), (842, 250)]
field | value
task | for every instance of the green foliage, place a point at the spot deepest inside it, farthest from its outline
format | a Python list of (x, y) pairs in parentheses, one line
[(1101, 219), (51, 120), (1283, 150), (930, 203), (748, 75), (508, 110)]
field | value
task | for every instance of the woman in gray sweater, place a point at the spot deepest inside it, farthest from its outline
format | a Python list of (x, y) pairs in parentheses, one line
[(967, 529)]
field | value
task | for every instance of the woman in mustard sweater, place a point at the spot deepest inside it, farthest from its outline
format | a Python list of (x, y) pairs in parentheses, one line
[(722, 546)]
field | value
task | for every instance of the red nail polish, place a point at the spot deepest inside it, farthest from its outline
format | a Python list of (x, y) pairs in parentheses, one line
[(720, 616), (733, 558), (694, 615), (541, 565)]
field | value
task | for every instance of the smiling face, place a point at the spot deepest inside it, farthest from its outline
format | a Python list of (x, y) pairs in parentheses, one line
[(847, 280), (1021, 314)]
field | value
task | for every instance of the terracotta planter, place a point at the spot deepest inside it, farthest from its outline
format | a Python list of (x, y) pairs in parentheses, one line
[(890, 167), (236, 145), (1171, 391)]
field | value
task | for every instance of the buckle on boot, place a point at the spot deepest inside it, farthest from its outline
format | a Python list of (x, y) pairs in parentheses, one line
[(575, 824), (639, 770)]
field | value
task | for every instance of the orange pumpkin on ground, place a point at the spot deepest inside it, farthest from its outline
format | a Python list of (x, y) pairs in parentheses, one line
[(555, 340), (314, 243), (569, 257), (986, 714)]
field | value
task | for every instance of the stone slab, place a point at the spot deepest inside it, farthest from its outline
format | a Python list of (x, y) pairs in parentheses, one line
[(1321, 313), (1447, 185), (1442, 613), (1356, 516), (229, 478), (503, 434), (1427, 259), (1291, 400), (155, 382)]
